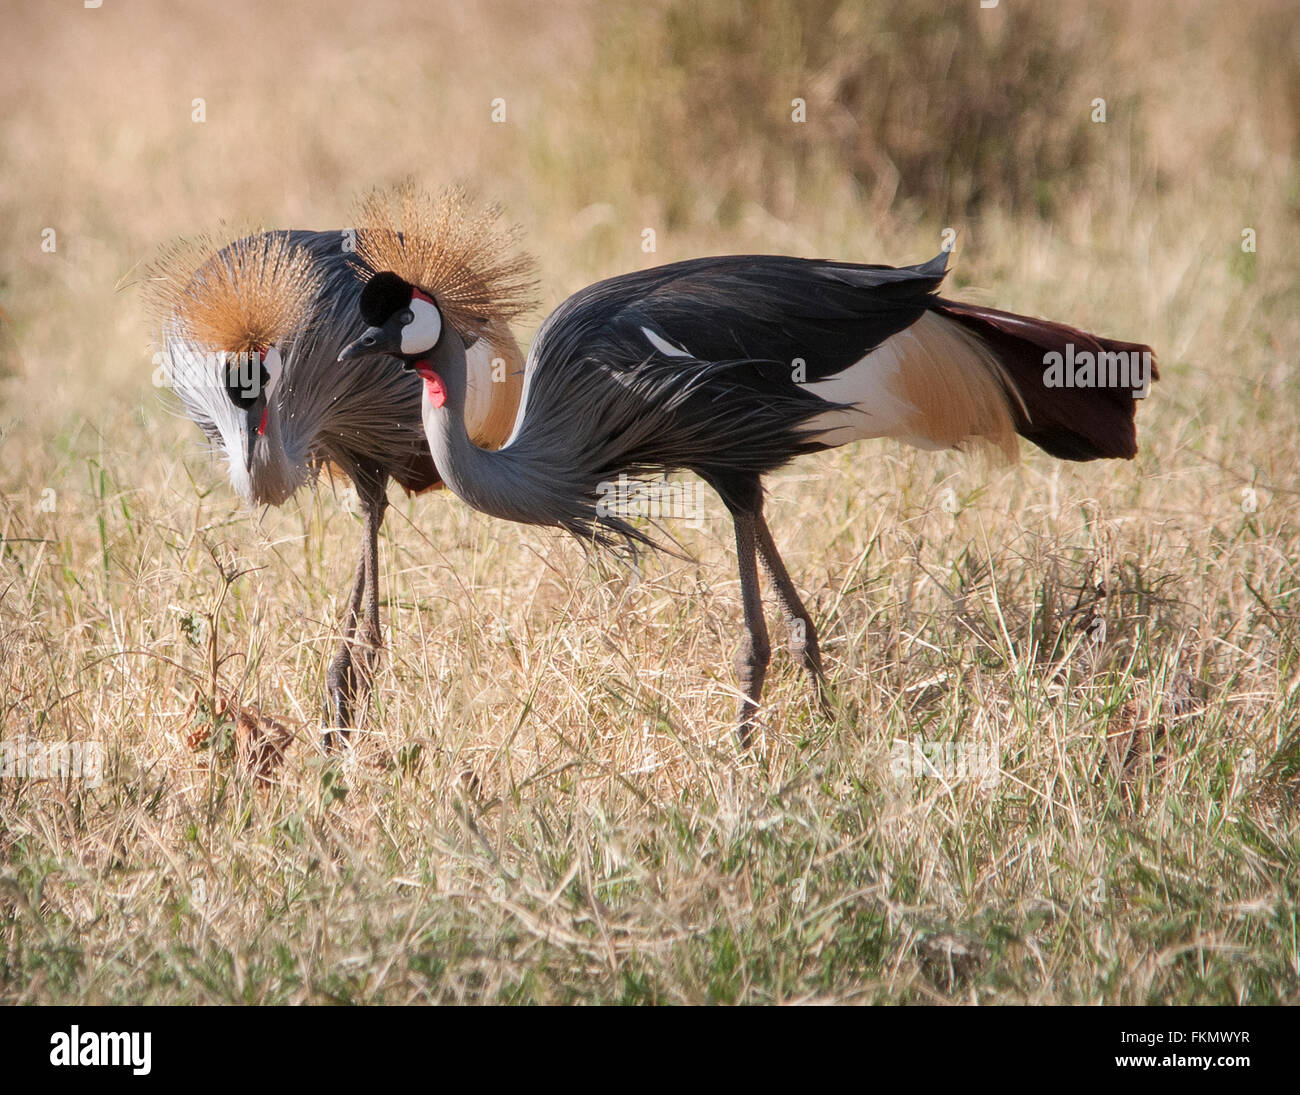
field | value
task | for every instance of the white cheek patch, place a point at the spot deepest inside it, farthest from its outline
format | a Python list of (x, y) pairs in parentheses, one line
[(424, 330), (273, 363)]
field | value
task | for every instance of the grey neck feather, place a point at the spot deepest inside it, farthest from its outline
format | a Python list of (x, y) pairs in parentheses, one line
[(596, 408), (512, 483)]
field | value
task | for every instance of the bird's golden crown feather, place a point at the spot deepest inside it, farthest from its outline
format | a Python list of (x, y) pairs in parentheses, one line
[(233, 294), (459, 253)]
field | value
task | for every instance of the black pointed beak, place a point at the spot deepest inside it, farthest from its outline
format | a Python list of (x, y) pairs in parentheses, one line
[(254, 420), (374, 340)]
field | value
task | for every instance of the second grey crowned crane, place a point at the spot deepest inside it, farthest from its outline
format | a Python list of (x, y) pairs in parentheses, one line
[(730, 367)]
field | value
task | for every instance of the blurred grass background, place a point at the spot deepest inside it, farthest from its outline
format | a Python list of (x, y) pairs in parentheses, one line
[(549, 806)]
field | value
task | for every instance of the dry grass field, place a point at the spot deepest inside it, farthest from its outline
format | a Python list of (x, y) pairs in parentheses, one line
[(547, 803)]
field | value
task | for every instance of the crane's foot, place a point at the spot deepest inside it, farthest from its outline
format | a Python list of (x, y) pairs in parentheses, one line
[(747, 725), (751, 667), (339, 691), (347, 685)]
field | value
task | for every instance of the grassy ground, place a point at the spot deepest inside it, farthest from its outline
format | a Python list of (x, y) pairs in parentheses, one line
[(547, 804)]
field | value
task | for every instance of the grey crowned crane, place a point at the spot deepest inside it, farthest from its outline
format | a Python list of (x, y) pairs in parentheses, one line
[(250, 334), (730, 367)]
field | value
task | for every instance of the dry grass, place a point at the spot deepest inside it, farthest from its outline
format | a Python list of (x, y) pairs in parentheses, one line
[(548, 804)]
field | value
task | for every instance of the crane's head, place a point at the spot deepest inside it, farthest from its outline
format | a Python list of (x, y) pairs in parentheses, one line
[(233, 315), (406, 322), (250, 382), (451, 278)]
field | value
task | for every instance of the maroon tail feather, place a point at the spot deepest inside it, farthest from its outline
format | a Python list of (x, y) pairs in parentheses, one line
[(1073, 423)]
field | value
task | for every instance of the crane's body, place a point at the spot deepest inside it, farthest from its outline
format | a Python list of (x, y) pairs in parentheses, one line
[(317, 413), (730, 367)]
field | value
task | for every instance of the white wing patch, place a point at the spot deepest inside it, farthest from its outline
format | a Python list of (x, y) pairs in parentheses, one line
[(932, 385), (663, 345), (196, 376), (868, 386)]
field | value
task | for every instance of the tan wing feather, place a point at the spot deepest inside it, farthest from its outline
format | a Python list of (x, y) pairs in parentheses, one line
[(960, 393), (505, 395), (932, 384)]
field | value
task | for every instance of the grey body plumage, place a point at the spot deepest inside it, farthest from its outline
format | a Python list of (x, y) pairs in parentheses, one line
[(730, 367), (602, 397)]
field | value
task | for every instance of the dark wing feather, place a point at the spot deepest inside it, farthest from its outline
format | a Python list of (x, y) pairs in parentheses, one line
[(715, 391), (763, 308)]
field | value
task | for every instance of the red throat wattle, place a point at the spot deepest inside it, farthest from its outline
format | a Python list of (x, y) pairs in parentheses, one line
[(434, 388)]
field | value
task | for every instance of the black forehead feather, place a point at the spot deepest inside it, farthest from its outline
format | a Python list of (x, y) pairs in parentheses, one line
[(383, 295)]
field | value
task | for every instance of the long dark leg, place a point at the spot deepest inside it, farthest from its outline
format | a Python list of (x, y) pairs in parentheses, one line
[(370, 633), (803, 635), (350, 672), (755, 652), (339, 684)]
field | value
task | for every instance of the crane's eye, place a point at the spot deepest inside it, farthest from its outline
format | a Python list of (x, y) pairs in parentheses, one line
[(406, 317)]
